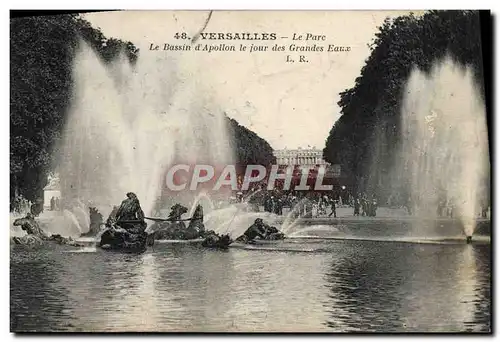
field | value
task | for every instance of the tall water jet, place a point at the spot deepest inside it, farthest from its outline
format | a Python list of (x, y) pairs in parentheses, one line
[(444, 151), (204, 200), (128, 124)]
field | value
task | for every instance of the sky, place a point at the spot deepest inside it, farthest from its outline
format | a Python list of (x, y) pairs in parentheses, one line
[(289, 104)]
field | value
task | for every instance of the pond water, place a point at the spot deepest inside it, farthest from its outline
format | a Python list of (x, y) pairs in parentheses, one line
[(296, 285)]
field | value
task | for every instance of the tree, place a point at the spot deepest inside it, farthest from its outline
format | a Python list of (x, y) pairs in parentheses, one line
[(42, 53), (42, 49), (369, 126), (249, 148)]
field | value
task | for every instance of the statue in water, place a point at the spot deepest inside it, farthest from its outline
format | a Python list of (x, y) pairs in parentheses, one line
[(35, 236), (173, 228), (96, 221), (126, 227), (130, 215), (213, 240), (258, 230), (262, 231), (196, 228)]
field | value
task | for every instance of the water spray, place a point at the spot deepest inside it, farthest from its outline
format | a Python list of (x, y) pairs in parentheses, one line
[(444, 152), (231, 222), (106, 148)]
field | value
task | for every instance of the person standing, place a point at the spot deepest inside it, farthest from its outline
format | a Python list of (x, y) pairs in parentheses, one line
[(356, 207), (373, 206), (364, 206), (272, 208), (451, 207), (279, 207), (484, 209), (267, 204), (369, 205), (334, 209)]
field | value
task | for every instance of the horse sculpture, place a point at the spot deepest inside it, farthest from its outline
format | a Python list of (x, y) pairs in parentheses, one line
[(173, 228), (196, 228)]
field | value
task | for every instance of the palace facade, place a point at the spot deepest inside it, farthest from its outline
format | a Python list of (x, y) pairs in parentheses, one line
[(306, 157), (302, 157)]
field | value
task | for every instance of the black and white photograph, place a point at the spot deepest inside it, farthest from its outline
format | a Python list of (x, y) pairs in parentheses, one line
[(244, 171)]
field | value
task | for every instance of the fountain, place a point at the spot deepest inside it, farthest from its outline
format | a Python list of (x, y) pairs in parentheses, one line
[(71, 217), (292, 218), (204, 199), (127, 125), (235, 219), (315, 228), (444, 150)]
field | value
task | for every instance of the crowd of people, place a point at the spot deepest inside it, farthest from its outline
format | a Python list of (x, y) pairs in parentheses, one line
[(307, 204), (326, 203)]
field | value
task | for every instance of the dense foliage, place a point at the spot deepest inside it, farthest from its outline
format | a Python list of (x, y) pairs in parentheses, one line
[(368, 129), (249, 148), (42, 51)]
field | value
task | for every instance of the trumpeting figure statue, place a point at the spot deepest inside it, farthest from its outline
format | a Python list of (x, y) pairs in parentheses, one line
[(35, 236), (262, 231)]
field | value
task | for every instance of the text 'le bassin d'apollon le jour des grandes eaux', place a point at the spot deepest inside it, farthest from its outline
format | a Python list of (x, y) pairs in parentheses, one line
[(211, 42)]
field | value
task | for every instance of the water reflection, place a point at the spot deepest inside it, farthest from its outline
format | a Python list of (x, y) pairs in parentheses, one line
[(108, 290), (408, 287), (481, 317), (349, 286), (364, 286), (34, 304), (197, 283)]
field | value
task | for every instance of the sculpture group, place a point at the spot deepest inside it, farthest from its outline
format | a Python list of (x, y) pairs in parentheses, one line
[(125, 230), (35, 236)]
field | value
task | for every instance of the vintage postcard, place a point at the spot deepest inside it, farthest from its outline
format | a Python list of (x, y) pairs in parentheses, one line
[(250, 171)]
